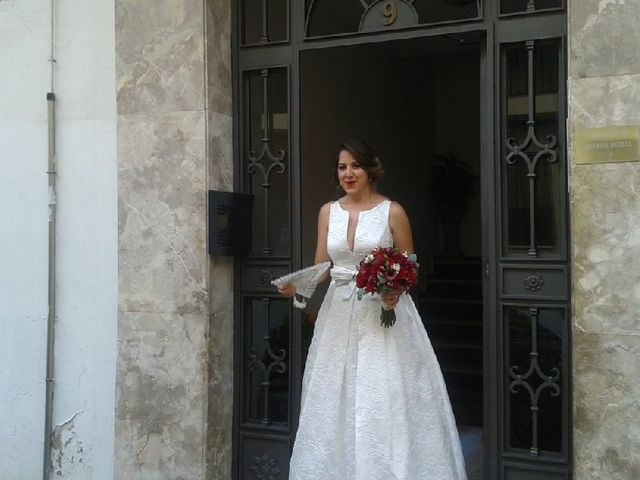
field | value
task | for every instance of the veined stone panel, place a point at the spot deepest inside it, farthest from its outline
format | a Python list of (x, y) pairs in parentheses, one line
[(162, 214), (160, 55), (220, 338), (604, 91), (220, 158), (163, 296), (220, 376), (218, 47), (163, 263), (606, 406), (160, 396), (604, 101), (606, 248), (606, 213), (175, 359), (604, 37)]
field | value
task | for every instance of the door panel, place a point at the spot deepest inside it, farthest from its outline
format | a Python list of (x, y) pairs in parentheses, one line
[(266, 144), (263, 23), (533, 173), (534, 359), (262, 436)]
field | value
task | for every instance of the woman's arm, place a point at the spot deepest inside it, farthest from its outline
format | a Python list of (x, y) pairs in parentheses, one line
[(322, 255), (323, 231), (402, 240), (400, 228)]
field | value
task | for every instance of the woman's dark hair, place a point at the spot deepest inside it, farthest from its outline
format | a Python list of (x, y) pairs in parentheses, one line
[(363, 153)]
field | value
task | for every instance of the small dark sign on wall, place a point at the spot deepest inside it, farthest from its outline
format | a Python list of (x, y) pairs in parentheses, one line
[(229, 223)]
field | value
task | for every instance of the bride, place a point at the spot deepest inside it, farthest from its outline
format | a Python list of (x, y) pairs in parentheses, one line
[(374, 404)]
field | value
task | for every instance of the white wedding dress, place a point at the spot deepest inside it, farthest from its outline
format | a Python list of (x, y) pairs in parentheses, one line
[(374, 403)]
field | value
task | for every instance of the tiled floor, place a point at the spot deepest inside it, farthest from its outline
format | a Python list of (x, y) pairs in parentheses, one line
[(471, 440)]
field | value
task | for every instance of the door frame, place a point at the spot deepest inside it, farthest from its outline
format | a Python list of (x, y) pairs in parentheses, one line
[(497, 30)]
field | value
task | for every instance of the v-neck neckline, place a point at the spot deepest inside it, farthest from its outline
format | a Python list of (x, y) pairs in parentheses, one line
[(355, 228)]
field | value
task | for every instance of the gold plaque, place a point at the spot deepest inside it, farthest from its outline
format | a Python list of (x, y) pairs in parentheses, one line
[(607, 144)]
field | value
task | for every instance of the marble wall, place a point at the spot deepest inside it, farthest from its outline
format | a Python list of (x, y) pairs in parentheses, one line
[(174, 379), (604, 90), (220, 175)]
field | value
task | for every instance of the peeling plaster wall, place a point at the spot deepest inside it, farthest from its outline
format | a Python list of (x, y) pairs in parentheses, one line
[(604, 90), (87, 241), (23, 270)]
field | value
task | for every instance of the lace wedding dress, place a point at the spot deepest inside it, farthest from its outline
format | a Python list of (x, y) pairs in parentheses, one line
[(374, 403)]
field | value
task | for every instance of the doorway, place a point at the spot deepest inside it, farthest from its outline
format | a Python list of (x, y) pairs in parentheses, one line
[(467, 114), (417, 102)]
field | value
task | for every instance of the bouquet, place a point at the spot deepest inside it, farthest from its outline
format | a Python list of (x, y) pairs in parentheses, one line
[(385, 270)]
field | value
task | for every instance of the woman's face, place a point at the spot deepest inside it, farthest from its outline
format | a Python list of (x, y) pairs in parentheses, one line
[(352, 177)]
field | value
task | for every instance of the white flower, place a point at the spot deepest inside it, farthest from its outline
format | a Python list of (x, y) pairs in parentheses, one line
[(396, 267), (368, 258)]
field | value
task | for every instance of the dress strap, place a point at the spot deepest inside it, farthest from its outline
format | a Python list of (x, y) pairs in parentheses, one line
[(387, 208)]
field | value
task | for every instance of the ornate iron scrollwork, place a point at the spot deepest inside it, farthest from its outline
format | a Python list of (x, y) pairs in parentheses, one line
[(259, 161), (276, 363), (533, 282), (265, 277), (517, 150), (265, 468), (522, 380)]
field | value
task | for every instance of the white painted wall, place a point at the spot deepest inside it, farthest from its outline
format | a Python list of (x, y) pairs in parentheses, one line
[(86, 330)]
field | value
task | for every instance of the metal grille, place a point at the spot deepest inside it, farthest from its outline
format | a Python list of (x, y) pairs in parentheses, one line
[(535, 378), (525, 143), (533, 262), (333, 17), (266, 114), (264, 22), (528, 6), (263, 332)]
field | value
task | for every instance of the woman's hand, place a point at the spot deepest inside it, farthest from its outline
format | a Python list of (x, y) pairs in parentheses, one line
[(287, 290), (391, 298)]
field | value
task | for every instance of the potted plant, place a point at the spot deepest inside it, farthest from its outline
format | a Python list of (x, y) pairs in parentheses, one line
[(451, 186)]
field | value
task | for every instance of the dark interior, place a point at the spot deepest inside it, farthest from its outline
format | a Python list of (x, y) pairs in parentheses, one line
[(417, 102)]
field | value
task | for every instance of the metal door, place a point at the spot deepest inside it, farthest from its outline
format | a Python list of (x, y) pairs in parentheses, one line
[(526, 332)]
